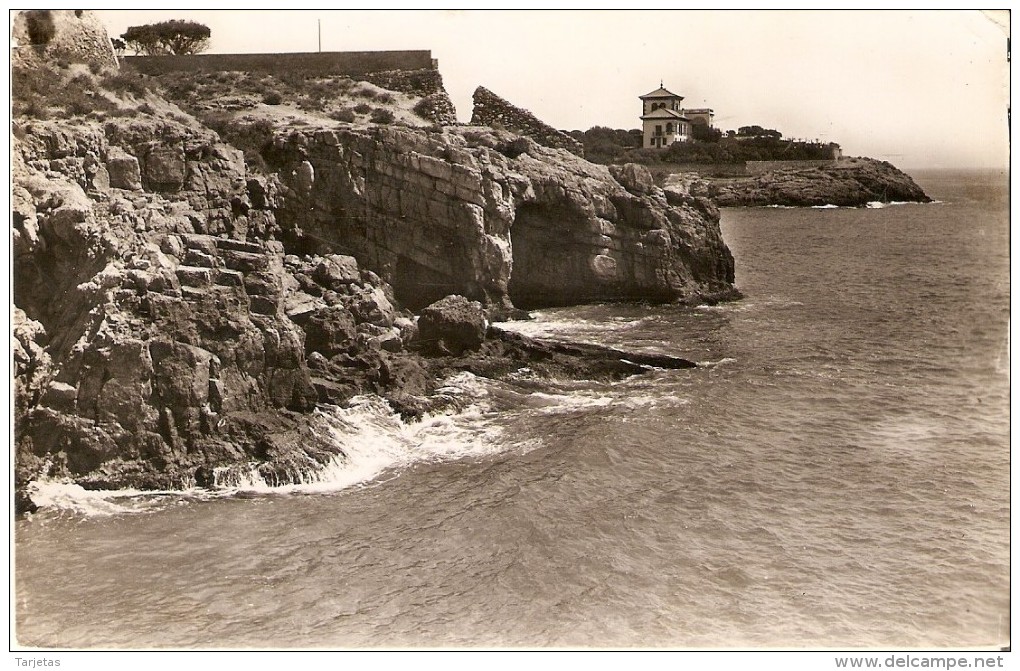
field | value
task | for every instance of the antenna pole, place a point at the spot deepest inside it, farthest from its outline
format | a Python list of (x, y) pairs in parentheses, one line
[(320, 35)]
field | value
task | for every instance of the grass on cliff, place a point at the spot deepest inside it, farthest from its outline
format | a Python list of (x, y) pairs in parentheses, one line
[(329, 98), (76, 91)]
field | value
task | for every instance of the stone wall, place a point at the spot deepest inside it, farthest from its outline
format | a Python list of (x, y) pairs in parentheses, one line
[(760, 167), (491, 110), (54, 35), (323, 63)]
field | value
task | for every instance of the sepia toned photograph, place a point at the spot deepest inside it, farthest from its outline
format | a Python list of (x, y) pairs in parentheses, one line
[(506, 330)]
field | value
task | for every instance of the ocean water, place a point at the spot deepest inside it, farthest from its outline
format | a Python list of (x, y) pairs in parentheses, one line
[(834, 474)]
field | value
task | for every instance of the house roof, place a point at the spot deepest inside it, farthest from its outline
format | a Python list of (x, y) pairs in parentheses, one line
[(663, 113), (660, 93), (699, 110)]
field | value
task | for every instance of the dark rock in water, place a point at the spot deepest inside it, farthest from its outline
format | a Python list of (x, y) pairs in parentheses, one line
[(23, 503), (504, 353), (204, 477), (452, 325)]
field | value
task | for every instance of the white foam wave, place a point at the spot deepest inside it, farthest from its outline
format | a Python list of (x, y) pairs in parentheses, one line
[(63, 495), (716, 364), (827, 206), (372, 440)]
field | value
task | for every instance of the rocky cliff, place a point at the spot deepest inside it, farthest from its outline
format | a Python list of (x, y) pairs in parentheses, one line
[(495, 217), (180, 316), (851, 182)]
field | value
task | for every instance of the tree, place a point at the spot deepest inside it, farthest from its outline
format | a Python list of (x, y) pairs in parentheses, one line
[(168, 37), (702, 132), (118, 45)]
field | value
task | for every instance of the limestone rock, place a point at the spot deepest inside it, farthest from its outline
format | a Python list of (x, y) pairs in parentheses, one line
[(452, 325), (123, 170), (164, 168), (634, 177), (851, 182)]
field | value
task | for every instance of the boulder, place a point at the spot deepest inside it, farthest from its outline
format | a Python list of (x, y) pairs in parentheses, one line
[(328, 330), (165, 168), (336, 271), (633, 177), (452, 326), (124, 170)]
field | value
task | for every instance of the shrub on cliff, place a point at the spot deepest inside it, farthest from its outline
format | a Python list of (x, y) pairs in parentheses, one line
[(345, 114), (272, 98), (381, 115), (126, 81)]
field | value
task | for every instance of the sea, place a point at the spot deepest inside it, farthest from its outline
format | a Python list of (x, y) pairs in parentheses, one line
[(835, 473)]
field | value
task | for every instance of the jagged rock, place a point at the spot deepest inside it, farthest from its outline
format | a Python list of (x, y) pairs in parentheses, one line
[(336, 271), (123, 170), (373, 307), (328, 330), (164, 168), (452, 325)]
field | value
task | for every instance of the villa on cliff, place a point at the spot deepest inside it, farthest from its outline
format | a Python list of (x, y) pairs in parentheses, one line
[(665, 121)]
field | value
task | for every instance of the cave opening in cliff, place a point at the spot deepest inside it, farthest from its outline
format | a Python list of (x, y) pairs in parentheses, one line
[(548, 266), (417, 286)]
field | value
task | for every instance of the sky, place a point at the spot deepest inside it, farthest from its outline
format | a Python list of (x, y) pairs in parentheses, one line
[(919, 88)]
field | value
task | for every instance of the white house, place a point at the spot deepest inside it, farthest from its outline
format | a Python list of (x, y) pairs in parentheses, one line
[(662, 119), (665, 121)]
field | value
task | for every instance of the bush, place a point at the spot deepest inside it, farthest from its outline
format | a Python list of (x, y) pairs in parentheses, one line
[(381, 115), (272, 98), (386, 98), (126, 81), (343, 114), (362, 108), (40, 26)]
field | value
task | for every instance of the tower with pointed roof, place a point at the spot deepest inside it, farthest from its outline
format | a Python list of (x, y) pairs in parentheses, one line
[(662, 119)]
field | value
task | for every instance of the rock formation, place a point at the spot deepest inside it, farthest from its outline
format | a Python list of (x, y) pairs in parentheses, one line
[(53, 35), (495, 217), (852, 182), (179, 316)]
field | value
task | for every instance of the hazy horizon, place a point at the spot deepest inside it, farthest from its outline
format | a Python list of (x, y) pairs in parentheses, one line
[(921, 89)]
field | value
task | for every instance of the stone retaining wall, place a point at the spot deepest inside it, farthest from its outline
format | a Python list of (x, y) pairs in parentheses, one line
[(491, 110), (324, 63)]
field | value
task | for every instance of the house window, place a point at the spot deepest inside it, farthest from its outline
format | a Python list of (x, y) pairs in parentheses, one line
[(658, 129), (669, 128)]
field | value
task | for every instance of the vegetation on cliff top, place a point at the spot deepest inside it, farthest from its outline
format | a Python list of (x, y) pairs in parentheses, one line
[(749, 143)]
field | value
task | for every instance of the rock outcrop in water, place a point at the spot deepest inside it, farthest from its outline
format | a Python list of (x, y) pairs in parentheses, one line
[(851, 182), (180, 317)]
